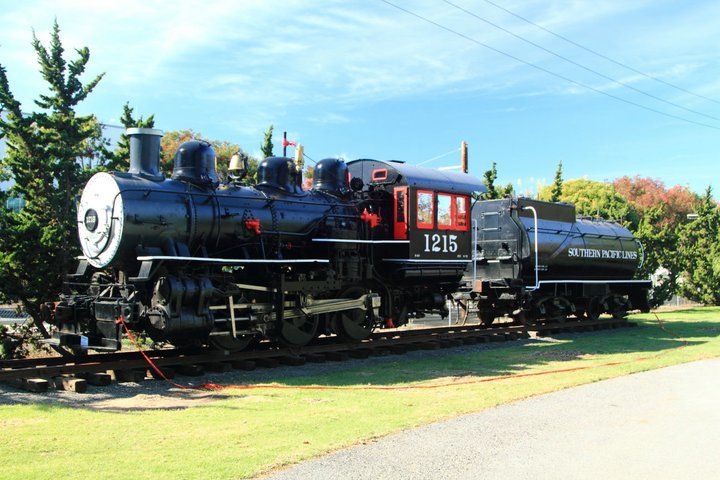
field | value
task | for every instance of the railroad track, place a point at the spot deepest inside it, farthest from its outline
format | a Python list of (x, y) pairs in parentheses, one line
[(75, 373)]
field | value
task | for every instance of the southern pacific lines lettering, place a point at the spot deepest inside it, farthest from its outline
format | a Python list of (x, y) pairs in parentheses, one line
[(605, 254)]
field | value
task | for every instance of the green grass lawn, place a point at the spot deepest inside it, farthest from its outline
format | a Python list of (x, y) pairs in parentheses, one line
[(244, 433)]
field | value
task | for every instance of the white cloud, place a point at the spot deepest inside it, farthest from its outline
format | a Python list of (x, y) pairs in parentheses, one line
[(269, 56)]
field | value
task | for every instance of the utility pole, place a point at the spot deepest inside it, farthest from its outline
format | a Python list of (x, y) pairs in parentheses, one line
[(464, 156), (285, 144)]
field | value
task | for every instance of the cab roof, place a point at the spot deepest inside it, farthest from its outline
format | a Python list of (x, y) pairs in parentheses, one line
[(402, 174)]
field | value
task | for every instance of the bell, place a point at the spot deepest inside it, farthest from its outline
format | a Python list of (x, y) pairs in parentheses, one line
[(235, 163)]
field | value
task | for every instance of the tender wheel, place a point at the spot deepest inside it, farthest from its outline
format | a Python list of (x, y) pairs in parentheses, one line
[(299, 331), (594, 309), (464, 312), (353, 325), (525, 318)]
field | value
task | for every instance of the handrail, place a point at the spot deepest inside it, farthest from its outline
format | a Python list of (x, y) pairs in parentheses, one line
[(535, 219), (474, 255)]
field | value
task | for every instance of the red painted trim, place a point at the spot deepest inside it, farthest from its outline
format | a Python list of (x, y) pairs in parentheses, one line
[(379, 174)]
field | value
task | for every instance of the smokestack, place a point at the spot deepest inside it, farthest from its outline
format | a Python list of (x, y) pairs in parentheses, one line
[(464, 156), (145, 152)]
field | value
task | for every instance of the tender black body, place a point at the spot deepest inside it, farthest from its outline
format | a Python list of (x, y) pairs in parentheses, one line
[(568, 247), (579, 261)]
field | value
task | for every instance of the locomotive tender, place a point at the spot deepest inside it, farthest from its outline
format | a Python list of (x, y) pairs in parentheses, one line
[(537, 261), (193, 261)]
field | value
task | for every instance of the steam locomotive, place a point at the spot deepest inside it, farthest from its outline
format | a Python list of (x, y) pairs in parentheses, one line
[(193, 261)]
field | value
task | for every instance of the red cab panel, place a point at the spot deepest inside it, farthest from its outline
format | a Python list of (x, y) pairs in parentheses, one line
[(400, 229)]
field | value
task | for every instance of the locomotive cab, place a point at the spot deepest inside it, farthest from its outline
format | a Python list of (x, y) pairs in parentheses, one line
[(423, 235)]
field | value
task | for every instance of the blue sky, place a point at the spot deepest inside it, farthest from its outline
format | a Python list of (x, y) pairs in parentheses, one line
[(362, 79)]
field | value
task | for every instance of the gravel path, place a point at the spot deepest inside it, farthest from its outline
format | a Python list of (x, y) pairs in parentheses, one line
[(659, 424)]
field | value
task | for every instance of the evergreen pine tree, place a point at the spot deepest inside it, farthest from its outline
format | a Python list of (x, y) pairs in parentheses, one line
[(489, 181), (119, 160), (44, 158), (267, 146), (699, 253), (557, 188)]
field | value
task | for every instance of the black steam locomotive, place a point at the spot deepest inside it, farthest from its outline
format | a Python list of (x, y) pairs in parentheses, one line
[(191, 261)]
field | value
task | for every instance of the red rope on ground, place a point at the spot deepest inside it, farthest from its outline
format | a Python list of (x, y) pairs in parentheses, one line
[(215, 386), (155, 368)]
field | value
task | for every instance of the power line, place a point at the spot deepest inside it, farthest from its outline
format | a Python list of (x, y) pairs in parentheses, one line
[(578, 64), (550, 72), (308, 157), (439, 156), (595, 52)]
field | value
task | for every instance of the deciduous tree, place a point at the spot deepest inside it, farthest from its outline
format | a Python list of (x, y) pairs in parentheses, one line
[(224, 150), (647, 193), (595, 199)]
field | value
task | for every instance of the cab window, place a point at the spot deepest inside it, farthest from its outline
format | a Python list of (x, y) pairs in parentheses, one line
[(425, 209), (461, 212), (452, 211), (445, 217)]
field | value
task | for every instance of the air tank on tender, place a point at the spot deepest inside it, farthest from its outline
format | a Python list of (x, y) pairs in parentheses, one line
[(569, 248)]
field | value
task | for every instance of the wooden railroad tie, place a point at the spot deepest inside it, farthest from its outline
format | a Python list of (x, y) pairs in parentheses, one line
[(97, 379), (36, 385), (294, 361), (191, 370), (315, 357), (267, 362), (337, 356), (246, 365), (218, 367), (70, 384), (128, 376), (168, 372)]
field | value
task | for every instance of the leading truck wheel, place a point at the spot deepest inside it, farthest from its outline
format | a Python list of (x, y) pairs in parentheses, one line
[(231, 344), (353, 325)]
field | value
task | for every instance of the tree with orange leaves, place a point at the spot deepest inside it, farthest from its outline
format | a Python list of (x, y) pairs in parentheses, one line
[(224, 150)]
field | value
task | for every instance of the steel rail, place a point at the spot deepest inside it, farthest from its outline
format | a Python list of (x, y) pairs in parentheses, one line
[(42, 367), (49, 367)]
